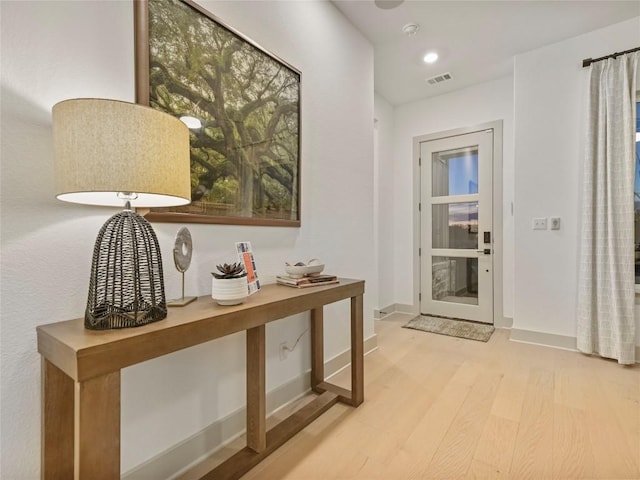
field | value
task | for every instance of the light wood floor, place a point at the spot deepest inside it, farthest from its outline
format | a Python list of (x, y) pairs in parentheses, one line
[(446, 408)]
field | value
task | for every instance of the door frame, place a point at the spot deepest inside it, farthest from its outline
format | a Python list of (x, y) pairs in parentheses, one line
[(496, 126)]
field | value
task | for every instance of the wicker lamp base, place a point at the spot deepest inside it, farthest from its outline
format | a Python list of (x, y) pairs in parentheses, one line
[(126, 288)]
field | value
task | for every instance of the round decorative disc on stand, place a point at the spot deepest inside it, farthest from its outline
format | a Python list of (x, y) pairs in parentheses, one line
[(183, 249), (182, 252)]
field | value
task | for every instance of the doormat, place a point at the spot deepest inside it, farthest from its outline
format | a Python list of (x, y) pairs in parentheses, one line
[(452, 328)]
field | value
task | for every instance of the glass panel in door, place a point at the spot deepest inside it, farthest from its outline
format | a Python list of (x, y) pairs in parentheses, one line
[(455, 225), (455, 279), (455, 172)]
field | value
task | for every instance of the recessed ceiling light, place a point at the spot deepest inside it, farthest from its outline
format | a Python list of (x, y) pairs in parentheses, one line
[(191, 122), (430, 57), (387, 4), (410, 29)]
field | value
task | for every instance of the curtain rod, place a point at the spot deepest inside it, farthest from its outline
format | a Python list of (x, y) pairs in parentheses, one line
[(588, 61)]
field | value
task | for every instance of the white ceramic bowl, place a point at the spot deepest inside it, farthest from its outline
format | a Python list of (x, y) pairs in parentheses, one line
[(305, 270)]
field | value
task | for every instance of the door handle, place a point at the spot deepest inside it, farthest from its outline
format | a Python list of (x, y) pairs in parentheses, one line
[(486, 251)]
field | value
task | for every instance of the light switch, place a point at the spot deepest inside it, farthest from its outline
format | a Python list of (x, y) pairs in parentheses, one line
[(540, 223), (554, 223)]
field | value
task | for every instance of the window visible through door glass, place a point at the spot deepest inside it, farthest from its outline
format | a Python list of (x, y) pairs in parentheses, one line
[(455, 225), (455, 172)]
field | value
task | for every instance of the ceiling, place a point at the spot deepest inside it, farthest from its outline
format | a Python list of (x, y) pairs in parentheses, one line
[(476, 40)]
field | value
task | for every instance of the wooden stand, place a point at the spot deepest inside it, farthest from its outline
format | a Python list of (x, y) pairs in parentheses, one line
[(81, 376)]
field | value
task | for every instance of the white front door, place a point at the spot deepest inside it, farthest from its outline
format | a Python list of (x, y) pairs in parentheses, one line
[(456, 227)]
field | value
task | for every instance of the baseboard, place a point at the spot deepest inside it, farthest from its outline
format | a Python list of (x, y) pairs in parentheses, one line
[(177, 459), (505, 322), (172, 462), (404, 308), (343, 360), (394, 308), (551, 340), (384, 311), (544, 339)]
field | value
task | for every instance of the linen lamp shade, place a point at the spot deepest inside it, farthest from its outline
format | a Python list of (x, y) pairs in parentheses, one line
[(103, 147)]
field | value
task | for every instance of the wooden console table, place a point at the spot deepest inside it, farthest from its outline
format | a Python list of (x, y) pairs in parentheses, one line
[(81, 376)]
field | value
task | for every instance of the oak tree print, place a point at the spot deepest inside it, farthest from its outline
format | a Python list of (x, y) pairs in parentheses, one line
[(244, 157)]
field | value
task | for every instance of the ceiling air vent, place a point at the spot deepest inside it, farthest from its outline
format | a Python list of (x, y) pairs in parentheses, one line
[(443, 77)]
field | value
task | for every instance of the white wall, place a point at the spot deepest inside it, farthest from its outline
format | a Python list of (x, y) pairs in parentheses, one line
[(481, 103), (57, 50), (384, 199), (549, 105)]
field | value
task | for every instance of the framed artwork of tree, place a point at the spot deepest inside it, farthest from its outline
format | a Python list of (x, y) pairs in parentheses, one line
[(242, 104)]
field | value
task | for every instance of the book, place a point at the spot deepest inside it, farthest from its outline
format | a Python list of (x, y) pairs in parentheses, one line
[(303, 282)]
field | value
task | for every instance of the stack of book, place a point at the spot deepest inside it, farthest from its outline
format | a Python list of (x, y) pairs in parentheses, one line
[(313, 281)]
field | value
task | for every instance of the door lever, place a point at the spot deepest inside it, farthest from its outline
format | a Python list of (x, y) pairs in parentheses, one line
[(486, 251)]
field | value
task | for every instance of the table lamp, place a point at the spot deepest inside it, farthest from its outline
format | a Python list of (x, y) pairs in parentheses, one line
[(115, 153)]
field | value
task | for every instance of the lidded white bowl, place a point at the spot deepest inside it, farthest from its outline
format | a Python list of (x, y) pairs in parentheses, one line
[(313, 267)]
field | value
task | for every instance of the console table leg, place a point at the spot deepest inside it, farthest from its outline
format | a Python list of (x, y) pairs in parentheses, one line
[(317, 348), (57, 423), (256, 390), (357, 352), (97, 428)]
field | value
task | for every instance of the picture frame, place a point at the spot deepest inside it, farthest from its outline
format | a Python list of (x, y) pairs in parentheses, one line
[(245, 156)]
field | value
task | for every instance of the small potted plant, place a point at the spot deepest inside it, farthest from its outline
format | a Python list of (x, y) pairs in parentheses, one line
[(229, 284)]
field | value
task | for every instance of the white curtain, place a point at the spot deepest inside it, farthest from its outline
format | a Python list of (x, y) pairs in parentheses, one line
[(606, 294)]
